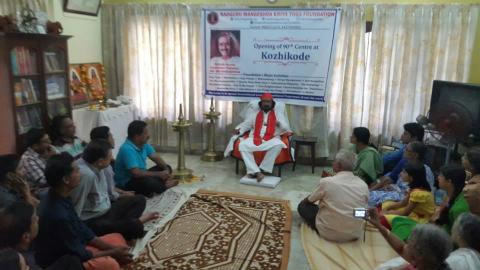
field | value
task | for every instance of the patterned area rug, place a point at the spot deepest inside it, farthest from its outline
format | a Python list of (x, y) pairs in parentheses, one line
[(166, 205), (215, 230)]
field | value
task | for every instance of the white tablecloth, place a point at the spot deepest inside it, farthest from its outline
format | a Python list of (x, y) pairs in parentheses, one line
[(117, 119)]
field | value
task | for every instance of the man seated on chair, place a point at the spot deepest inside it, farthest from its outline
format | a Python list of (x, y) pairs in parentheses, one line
[(329, 209), (266, 128)]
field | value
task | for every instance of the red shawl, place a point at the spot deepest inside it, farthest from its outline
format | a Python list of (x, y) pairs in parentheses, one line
[(271, 123)]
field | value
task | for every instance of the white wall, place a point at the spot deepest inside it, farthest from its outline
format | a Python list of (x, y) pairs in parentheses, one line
[(86, 44)]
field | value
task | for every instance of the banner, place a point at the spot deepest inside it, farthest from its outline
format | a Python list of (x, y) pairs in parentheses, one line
[(287, 52)]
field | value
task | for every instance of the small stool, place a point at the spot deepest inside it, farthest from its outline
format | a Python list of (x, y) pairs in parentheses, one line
[(307, 141)]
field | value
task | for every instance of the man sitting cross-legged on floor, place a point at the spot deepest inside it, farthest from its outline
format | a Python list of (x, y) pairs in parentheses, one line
[(103, 132), (62, 232), (337, 196), (34, 159), (92, 202), (131, 164)]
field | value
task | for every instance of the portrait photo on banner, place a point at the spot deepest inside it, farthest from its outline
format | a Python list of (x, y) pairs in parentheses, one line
[(224, 44)]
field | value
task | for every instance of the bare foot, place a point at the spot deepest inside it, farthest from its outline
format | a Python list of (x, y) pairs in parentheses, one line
[(171, 183), (252, 175), (266, 173), (149, 216), (260, 177)]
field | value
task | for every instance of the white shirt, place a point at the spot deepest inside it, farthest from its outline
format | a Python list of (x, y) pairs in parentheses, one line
[(337, 196)]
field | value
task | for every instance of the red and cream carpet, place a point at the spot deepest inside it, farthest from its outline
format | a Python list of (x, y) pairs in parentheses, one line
[(215, 230)]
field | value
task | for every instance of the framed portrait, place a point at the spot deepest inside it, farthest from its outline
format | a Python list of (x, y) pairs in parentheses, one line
[(95, 79), (78, 86), (85, 7)]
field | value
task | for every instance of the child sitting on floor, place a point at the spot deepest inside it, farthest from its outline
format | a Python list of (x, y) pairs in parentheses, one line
[(419, 204), (452, 180)]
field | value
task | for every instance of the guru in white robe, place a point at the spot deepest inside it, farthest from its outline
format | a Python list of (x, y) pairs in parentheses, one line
[(272, 146)]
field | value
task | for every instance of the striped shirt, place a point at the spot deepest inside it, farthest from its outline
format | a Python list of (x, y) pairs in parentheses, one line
[(33, 165)]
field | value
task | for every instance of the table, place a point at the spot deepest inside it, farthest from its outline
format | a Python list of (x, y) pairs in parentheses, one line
[(305, 141), (116, 118)]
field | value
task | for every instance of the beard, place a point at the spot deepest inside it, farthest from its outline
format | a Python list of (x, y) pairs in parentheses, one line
[(266, 108)]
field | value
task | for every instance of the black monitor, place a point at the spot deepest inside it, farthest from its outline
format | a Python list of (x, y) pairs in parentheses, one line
[(467, 95)]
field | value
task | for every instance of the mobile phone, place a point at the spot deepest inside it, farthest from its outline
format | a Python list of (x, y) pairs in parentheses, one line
[(360, 213)]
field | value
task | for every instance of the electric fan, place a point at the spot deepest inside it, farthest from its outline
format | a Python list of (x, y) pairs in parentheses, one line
[(452, 120)]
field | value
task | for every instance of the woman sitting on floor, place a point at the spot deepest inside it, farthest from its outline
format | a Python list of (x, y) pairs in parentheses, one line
[(369, 163), (465, 234), (419, 204), (414, 154), (452, 180), (63, 136), (13, 185), (427, 249), (392, 176), (471, 163)]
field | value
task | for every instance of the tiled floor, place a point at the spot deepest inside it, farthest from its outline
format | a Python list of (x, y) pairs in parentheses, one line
[(294, 187)]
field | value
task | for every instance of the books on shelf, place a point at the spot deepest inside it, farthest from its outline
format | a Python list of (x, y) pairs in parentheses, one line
[(28, 118), (26, 92), (24, 61), (52, 62), (55, 87)]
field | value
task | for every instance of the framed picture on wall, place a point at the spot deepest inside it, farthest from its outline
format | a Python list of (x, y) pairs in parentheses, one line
[(86, 7), (95, 80), (78, 85)]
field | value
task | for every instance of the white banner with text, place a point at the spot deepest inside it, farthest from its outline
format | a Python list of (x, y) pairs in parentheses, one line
[(287, 52)]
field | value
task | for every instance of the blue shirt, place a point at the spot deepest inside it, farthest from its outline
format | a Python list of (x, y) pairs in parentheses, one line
[(393, 157), (61, 232), (129, 157), (395, 173)]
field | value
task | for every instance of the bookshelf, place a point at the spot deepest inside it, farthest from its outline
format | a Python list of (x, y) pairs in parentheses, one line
[(33, 85)]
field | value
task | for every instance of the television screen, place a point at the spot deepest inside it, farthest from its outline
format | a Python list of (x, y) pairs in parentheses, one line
[(465, 95)]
